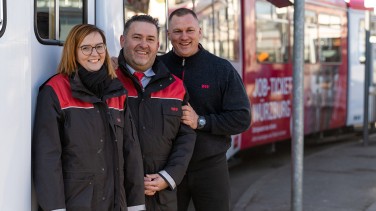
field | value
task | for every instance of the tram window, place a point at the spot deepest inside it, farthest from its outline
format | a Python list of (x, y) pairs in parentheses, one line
[(311, 30), (154, 8), (329, 41), (3, 17), (219, 24), (271, 33), (54, 23)]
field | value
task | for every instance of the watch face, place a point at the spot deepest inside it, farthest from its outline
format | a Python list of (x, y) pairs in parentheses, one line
[(201, 122)]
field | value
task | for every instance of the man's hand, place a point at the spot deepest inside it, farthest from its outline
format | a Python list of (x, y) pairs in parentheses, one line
[(154, 183), (114, 62), (189, 116)]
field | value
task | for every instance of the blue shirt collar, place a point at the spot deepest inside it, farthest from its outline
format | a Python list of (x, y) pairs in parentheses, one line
[(148, 73)]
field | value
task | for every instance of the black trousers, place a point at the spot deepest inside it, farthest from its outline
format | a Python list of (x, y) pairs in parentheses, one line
[(161, 201), (207, 184)]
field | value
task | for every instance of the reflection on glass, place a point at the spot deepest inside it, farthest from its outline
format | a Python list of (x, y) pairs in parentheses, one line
[(219, 23), (329, 42), (264, 9), (45, 10), (70, 14), (310, 35), (154, 8), (271, 33)]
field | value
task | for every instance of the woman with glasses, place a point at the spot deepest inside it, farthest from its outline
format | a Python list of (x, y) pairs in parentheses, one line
[(85, 153)]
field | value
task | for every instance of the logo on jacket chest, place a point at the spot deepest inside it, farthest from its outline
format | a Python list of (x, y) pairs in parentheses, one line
[(174, 109), (205, 86)]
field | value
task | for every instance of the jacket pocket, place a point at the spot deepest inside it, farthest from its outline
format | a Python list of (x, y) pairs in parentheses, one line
[(78, 188), (167, 197), (118, 119), (171, 119), (155, 163)]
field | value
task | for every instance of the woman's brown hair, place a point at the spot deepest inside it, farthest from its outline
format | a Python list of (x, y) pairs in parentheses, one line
[(68, 64)]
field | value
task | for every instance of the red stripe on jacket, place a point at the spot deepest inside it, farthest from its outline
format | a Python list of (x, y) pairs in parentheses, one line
[(116, 103), (60, 84), (175, 90), (127, 83)]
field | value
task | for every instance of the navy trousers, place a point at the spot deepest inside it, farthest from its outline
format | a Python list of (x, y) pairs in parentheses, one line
[(207, 184)]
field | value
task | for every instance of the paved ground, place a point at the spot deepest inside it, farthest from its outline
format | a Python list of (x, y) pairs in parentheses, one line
[(341, 178)]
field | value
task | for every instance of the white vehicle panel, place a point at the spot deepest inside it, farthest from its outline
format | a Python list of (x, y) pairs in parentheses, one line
[(110, 18), (15, 112), (356, 70)]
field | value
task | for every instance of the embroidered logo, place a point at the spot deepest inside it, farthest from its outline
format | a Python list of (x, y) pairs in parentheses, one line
[(205, 86), (174, 109)]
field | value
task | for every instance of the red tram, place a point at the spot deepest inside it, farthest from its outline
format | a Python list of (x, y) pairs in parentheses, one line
[(267, 68), (257, 37)]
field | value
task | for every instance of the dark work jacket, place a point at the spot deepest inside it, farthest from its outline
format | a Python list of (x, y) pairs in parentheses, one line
[(166, 143), (217, 93), (78, 158)]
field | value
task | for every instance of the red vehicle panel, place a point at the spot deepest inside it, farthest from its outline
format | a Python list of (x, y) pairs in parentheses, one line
[(267, 69)]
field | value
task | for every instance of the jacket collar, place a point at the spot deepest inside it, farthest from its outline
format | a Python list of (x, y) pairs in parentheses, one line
[(159, 68), (180, 59), (81, 92)]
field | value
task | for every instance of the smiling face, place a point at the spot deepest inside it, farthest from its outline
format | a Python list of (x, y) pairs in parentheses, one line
[(184, 33), (140, 45), (94, 61)]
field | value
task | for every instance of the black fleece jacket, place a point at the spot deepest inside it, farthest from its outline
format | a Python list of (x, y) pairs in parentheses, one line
[(216, 92)]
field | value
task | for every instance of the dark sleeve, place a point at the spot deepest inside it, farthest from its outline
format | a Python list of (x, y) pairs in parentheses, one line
[(46, 151), (181, 152), (133, 166), (236, 109), (186, 96)]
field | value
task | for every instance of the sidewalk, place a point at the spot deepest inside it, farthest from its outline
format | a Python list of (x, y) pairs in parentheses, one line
[(342, 178)]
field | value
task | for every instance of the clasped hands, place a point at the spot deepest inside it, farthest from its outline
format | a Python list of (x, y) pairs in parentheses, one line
[(154, 183)]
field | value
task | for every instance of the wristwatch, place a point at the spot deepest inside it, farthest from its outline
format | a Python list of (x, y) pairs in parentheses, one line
[(201, 122)]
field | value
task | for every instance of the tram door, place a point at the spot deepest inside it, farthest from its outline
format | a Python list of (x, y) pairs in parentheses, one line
[(356, 73)]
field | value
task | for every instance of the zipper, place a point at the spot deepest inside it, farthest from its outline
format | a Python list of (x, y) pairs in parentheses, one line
[(110, 118), (183, 69)]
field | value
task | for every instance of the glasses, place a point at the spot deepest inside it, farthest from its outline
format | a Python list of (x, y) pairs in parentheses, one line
[(87, 50)]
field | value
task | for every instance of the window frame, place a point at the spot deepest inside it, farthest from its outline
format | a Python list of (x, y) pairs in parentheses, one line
[(57, 41), (286, 46), (329, 26), (285, 23), (3, 17)]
